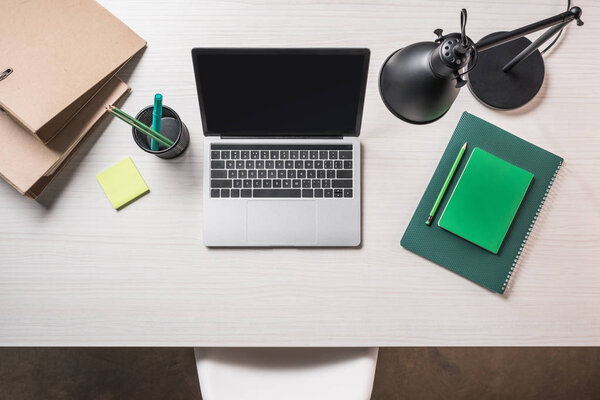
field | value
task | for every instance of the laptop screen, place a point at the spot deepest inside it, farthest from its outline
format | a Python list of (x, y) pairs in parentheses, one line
[(315, 92)]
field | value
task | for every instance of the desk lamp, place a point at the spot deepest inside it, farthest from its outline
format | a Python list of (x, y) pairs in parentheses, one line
[(419, 82)]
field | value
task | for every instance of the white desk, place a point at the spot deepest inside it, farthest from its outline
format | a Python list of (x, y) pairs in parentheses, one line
[(75, 272)]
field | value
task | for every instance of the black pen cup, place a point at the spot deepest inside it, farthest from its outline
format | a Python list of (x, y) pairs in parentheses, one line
[(171, 127)]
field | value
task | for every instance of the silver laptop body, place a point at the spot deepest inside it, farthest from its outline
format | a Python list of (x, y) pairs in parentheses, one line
[(281, 148)]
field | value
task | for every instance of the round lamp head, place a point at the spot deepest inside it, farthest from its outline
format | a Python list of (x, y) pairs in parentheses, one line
[(416, 83)]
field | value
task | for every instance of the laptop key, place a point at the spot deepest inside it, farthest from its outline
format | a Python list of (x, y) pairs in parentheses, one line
[(239, 165), (260, 164), (345, 155), (284, 154), (311, 173), (230, 164), (306, 183), (330, 173), (235, 154), (245, 154), (347, 192), (304, 154), (333, 155), (279, 164), (246, 192), (281, 173), (215, 154), (289, 164), (215, 193), (257, 183), (298, 164), (287, 183), (267, 183), (249, 164), (264, 154), (307, 193), (344, 173), (217, 164), (218, 173), (314, 154), (323, 154), (328, 192), (242, 173), (318, 192), (338, 193), (347, 164), (254, 155), (276, 183), (224, 192), (237, 183), (247, 183), (262, 173), (225, 154), (318, 164), (328, 164), (258, 193), (271, 174), (274, 154), (294, 155), (321, 173), (235, 192), (270, 164), (252, 174), (301, 173), (291, 173), (325, 183), (220, 183), (341, 183), (296, 183), (338, 164), (232, 174), (316, 183), (308, 164)]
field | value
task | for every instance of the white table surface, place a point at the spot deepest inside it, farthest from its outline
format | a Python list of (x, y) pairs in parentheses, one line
[(75, 272)]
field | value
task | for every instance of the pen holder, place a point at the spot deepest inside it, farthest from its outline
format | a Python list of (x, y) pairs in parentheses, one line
[(171, 126)]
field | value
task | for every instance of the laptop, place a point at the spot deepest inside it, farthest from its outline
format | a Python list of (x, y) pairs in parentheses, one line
[(281, 148)]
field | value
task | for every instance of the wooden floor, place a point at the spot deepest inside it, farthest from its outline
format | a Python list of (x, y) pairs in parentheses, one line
[(402, 373)]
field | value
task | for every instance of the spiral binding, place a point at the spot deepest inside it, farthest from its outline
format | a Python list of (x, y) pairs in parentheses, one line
[(515, 264)]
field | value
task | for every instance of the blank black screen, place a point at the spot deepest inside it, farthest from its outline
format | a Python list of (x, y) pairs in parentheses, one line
[(281, 93)]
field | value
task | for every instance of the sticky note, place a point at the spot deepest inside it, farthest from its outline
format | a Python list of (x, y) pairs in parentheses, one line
[(122, 183)]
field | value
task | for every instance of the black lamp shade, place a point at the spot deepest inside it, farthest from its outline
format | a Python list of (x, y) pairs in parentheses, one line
[(409, 87)]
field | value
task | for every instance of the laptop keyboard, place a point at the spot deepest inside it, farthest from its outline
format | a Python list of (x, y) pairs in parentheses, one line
[(276, 171)]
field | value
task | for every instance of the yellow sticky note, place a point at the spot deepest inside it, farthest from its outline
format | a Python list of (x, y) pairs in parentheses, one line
[(122, 183)]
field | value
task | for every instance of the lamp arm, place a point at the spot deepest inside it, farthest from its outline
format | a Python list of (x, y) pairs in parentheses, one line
[(563, 18)]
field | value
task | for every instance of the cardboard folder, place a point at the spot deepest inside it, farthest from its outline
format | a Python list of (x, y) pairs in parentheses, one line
[(28, 164), (61, 53)]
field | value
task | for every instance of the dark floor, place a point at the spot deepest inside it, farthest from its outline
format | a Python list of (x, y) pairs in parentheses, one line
[(402, 373)]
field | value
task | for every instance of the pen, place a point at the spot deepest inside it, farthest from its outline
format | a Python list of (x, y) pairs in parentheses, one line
[(446, 184), (156, 119)]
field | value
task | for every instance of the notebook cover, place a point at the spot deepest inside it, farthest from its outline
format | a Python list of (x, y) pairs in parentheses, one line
[(62, 52), (485, 200), (492, 271), (25, 162)]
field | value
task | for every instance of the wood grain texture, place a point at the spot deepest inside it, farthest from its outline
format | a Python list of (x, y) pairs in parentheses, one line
[(75, 272)]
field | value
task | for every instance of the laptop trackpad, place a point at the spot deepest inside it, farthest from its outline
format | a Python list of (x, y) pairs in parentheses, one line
[(281, 222)]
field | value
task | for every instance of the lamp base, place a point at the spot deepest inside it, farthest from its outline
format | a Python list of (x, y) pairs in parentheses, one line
[(506, 90)]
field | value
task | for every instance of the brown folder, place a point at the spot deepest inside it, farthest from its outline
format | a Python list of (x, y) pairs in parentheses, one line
[(29, 165), (61, 53)]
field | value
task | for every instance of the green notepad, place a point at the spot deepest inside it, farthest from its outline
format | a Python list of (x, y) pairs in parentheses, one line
[(492, 271), (485, 200), (122, 183)]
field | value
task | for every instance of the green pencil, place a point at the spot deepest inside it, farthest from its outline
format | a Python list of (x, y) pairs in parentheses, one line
[(446, 184)]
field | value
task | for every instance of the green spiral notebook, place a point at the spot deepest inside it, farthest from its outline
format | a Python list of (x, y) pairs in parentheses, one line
[(461, 254)]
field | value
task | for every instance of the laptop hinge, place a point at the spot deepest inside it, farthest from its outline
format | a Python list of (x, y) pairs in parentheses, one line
[(281, 137)]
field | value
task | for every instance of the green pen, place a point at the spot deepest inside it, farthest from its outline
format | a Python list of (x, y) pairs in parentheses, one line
[(446, 184), (156, 119)]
